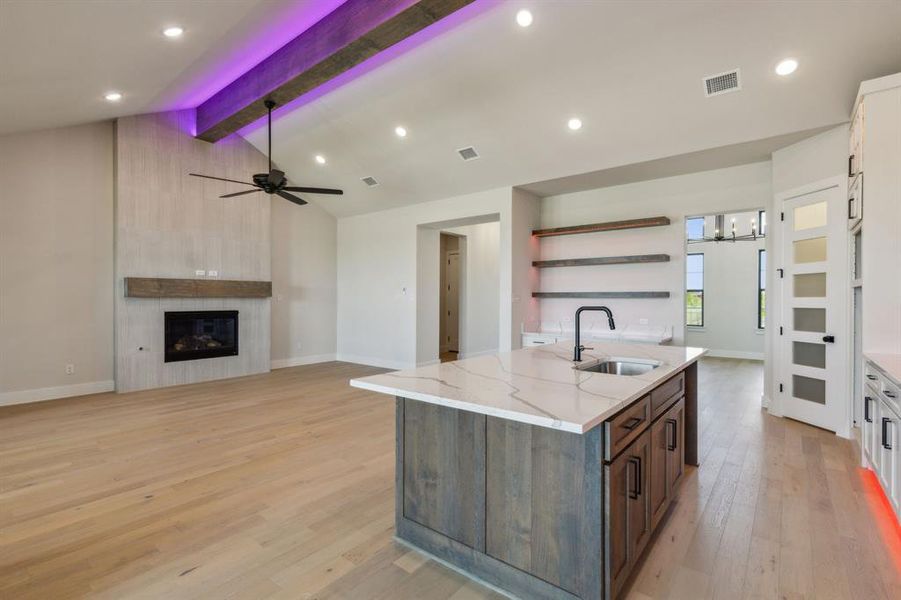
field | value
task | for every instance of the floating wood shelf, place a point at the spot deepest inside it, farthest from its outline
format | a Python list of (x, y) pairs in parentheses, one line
[(610, 226), (600, 294), (602, 260), (155, 287)]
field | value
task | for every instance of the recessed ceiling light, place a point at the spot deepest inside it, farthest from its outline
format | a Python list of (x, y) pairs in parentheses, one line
[(786, 67), (400, 131), (320, 159), (574, 123), (173, 32), (113, 96), (524, 18)]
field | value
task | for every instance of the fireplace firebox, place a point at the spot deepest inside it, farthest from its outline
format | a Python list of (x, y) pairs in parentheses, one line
[(192, 335)]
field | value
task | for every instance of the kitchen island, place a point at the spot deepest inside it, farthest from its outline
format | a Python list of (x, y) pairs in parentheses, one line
[(542, 479)]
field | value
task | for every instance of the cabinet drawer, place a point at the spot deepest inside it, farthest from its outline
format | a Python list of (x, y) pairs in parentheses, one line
[(626, 426), (667, 391)]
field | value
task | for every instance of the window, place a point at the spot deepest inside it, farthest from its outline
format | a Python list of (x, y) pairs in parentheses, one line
[(694, 228), (761, 222), (694, 290), (761, 289)]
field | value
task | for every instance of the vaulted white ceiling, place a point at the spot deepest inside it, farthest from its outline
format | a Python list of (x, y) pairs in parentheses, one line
[(632, 71), (59, 57)]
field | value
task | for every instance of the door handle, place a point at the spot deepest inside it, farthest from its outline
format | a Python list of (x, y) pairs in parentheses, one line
[(829, 339), (635, 491), (671, 446), (866, 409), (886, 444), (632, 423)]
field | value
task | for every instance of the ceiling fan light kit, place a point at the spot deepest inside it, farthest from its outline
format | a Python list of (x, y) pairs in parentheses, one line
[(273, 182)]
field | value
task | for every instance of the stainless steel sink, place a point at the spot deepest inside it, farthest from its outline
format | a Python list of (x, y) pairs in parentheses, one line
[(621, 366)]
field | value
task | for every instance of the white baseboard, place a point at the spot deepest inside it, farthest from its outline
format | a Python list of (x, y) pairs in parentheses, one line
[(735, 354), (426, 363), (297, 361), (370, 361), (764, 401), (474, 354), (53, 393)]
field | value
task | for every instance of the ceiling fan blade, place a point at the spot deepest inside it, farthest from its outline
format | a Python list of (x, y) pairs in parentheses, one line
[(241, 193), (314, 190), (292, 198), (220, 179), (276, 177)]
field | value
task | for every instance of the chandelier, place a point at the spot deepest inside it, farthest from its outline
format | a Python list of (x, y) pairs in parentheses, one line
[(721, 235)]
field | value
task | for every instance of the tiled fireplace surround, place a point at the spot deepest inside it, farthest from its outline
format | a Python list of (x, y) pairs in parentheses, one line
[(170, 225)]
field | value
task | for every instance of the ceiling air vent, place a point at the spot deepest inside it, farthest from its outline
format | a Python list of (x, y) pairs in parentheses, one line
[(370, 181), (723, 83), (468, 153)]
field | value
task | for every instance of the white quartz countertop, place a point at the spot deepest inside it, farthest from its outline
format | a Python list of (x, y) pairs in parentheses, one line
[(889, 363), (536, 385)]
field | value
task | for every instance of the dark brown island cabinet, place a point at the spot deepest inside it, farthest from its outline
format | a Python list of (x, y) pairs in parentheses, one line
[(540, 512)]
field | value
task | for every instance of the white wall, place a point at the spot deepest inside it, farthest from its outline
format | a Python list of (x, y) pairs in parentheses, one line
[(304, 284), (56, 262), (730, 294), (723, 190), (379, 269), (480, 288)]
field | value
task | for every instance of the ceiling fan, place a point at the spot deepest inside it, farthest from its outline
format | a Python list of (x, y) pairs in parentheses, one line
[(273, 182)]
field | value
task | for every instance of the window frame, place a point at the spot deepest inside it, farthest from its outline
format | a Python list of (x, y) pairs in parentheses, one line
[(687, 290), (703, 221), (761, 324)]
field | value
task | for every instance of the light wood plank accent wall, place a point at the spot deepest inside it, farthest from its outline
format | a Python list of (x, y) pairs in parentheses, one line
[(169, 225)]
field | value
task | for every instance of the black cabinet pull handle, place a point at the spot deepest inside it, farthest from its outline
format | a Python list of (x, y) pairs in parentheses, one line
[(886, 443), (889, 394), (850, 166), (871, 377), (829, 339), (671, 446), (866, 409), (632, 423), (635, 492)]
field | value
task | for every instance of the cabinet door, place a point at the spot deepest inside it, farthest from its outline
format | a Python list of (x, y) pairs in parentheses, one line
[(616, 525), (628, 522), (868, 437), (883, 449), (659, 485), (675, 429), (888, 442), (639, 497)]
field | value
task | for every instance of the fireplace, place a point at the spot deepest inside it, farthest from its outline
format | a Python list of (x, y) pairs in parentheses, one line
[(192, 335)]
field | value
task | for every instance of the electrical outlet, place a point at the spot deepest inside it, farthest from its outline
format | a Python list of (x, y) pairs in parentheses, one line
[(213, 273), (70, 369), (642, 321), (199, 273)]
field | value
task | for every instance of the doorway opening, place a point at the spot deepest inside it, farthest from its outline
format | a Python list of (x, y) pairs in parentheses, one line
[(450, 248), (725, 301)]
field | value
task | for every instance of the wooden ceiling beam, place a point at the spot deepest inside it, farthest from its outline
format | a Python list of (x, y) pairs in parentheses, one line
[(352, 33)]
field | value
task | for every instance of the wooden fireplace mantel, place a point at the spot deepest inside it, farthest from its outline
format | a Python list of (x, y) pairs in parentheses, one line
[(156, 287)]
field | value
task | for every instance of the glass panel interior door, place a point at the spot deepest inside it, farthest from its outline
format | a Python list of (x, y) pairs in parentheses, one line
[(812, 251)]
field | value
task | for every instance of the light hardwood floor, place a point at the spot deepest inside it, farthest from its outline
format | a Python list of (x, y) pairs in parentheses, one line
[(281, 486)]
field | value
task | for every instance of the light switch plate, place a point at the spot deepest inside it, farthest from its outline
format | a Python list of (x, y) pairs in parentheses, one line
[(199, 273), (213, 273)]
